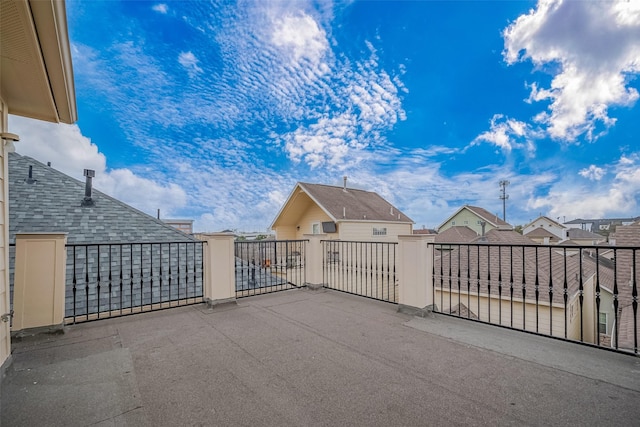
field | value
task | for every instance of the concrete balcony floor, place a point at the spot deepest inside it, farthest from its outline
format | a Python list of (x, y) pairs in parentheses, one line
[(307, 357)]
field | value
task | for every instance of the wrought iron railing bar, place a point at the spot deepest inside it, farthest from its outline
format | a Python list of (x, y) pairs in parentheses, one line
[(500, 286), (550, 292), (449, 282), (537, 291), (615, 297), (511, 285), (634, 296), (86, 279), (489, 283), (598, 295), (581, 294), (565, 291), (74, 283)]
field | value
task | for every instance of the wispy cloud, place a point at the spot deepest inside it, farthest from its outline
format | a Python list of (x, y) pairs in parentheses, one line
[(594, 47), (161, 8), (593, 172), (189, 61)]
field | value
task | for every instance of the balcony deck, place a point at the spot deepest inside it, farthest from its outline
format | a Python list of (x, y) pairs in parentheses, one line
[(305, 357)]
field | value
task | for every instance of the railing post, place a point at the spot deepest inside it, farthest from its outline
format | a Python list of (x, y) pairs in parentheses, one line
[(313, 263), (415, 280), (39, 284), (219, 268)]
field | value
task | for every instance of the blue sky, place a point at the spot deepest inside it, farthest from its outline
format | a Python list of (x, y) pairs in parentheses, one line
[(213, 110)]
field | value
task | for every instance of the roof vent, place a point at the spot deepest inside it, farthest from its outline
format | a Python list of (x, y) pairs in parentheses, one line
[(88, 201), (30, 179), (344, 183)]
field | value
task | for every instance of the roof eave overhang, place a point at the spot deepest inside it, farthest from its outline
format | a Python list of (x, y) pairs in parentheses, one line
[(37, 70)]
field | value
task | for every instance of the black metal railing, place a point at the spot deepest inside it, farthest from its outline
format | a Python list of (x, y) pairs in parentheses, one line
[(267, 266), (362, 268), (115, 279), (587, 294)]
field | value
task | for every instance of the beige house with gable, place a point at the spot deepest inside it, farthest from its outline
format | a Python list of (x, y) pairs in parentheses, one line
[(36, 81), (545, 230), (341, 213)]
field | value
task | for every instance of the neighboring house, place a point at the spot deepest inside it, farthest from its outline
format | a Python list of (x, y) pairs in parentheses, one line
[(424, 230), (584, 238), (42, 199), (51, 201), (465, 271), (474, 217), (603, 226), (36, 81), (184, 225), (627, 236), (456, 234), (543, 236), (340, 213), (555, 232)]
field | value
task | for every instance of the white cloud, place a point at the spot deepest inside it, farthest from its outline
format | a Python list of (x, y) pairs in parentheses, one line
[(508, 134), (63, 145), (161, 8), (594, 44), (71, 152), (617, 197), (593, 172), (189, 61), (300, 36)]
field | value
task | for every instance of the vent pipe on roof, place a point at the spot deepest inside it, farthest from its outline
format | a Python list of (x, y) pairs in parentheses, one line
[(344, 183), (88, 201), (391, 210), (30, 179), (49, 164), (483, 238), (344, 212)]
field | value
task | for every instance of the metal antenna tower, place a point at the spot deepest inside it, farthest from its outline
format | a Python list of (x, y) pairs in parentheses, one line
[(504, 196)]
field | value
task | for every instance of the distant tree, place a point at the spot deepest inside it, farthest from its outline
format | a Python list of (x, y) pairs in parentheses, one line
[(241, 238), (261, 237), (518, 229)]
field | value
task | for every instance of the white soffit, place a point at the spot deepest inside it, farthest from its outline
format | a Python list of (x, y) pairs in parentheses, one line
[(36, 73)]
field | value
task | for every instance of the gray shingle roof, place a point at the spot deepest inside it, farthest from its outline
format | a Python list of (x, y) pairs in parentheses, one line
[(52, 204), (456, 234), (576, 233), (356, 204)]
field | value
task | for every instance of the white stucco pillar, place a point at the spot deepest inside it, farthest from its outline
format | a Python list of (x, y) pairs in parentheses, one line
[(219, 268), (415, 265), (313, 263), (39, 285)]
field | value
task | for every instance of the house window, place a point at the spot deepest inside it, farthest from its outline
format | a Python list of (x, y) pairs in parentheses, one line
[(315, 228), (453, 223), (466, 222), (602, 323), (382, 231)]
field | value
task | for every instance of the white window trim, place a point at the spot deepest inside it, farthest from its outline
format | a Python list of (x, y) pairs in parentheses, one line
[(378, 231)]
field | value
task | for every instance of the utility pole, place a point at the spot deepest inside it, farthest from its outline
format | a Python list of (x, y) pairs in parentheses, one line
[(504, 196)]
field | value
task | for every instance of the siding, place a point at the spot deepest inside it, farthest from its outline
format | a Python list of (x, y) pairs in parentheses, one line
[(471, 219), (363, 231), (311, 215), (5, 336)]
